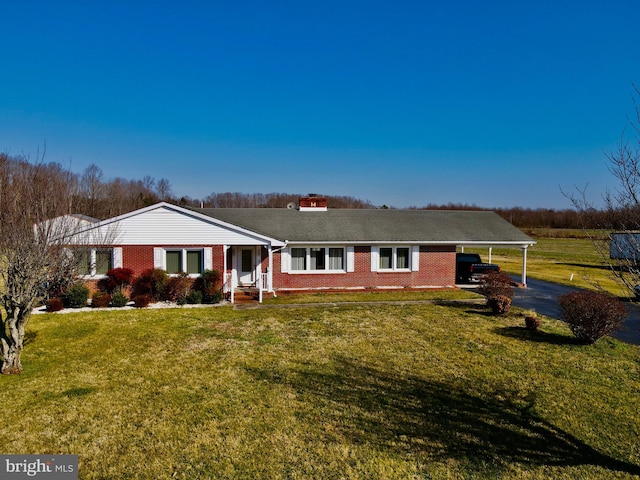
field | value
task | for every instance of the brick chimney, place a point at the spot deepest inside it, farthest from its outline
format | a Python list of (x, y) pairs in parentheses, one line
[(313, 203)]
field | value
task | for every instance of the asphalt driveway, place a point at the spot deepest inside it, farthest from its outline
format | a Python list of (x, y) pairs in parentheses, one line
[(543, 298)]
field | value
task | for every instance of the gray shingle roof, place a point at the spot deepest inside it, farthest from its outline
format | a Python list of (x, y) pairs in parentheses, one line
[(370, 226)]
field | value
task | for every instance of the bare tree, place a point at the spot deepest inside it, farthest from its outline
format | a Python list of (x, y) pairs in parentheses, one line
[(92, 189), (621, 210), (163, 189), (37, 201)]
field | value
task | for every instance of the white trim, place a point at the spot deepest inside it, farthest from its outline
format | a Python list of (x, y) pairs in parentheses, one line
[(93, 260), (262, 239), (351, 259), (375, 258), (308, 247), (116, 257), (415, 258), (285, 260), (207, 259), (158, 258)]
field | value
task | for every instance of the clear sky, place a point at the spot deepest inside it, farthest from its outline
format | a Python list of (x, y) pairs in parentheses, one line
[(404, 103)]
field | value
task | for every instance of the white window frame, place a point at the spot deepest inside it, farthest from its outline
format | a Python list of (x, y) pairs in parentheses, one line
[(347, 255), (116, 260), (412, 256), (160, 258)]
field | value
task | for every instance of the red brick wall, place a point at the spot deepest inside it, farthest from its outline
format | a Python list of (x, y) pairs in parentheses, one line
[(436, 269), (140, 257)]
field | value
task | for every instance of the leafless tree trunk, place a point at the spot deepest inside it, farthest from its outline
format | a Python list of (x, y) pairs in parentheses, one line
[(37, 201)]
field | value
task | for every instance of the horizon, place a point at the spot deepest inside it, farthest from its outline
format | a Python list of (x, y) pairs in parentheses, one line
[(498, 105)]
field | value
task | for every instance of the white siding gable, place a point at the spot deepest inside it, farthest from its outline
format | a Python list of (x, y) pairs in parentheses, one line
[(166, 226)]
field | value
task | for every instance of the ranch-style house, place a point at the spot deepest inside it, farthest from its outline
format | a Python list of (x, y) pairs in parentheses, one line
[(302, 247)]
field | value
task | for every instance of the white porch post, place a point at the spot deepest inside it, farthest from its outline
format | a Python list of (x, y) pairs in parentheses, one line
[(228, 278), (490, 252), (524, 266), (270, 272)]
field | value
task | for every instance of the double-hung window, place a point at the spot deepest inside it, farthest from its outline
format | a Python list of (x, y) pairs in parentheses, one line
[(391, 259), (317, 259), (181, 260), (93, 261)]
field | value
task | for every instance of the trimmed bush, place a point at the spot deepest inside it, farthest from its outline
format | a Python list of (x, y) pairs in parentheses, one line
[(194, 297), (151, 282), (499, 304), (209, 284), (77, 296), (119, 299), (54, 305), (592, 315), (215, 297), (100, 300), (117, 279), (142, 301), (531, 322), (496, 284), (178, 287)]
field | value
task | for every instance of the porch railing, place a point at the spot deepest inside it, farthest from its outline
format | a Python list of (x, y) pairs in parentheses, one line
[(231, 283), (264, 282)]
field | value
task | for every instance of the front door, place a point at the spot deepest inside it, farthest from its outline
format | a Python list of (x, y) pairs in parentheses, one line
[(246, 266)]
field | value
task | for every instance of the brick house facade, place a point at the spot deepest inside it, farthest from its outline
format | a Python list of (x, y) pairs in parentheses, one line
[(306, 248)]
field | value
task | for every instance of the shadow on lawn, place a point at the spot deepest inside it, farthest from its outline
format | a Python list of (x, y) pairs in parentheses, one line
[(439, 420), (538, 336)]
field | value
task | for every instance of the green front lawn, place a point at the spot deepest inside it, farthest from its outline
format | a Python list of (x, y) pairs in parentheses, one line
[(356, 392)]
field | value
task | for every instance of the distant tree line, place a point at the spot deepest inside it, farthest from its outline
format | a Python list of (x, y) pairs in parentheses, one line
[(539, 217), (99, 197)]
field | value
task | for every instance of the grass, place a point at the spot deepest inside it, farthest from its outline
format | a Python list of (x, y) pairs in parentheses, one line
[(567, 257), (391, 295), (362, 391)]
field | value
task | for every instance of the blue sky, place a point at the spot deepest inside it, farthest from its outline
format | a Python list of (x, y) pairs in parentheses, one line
[(403, 103)]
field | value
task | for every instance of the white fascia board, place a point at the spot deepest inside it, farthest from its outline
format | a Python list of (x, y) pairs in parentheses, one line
[(495, 244), (411, 242), (205, 218)]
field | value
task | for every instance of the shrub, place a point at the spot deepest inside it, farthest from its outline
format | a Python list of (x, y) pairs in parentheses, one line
[(531, 322), (177, 289), (495, 284), (591, 315), (209, 284), (142, 301), (215, 297), (499, 304), (119, 299), (100, 300), (151, 282), (194, 297), (117, 279), (54, 305), (76, 296)]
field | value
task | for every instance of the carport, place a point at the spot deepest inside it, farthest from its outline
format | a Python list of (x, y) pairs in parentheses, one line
[(522, 245)]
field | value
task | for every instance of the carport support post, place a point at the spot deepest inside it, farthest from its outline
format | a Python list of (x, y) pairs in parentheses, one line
[(524, 266)]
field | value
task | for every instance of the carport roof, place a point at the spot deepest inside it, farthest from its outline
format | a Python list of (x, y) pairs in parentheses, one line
[(370, 226)]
